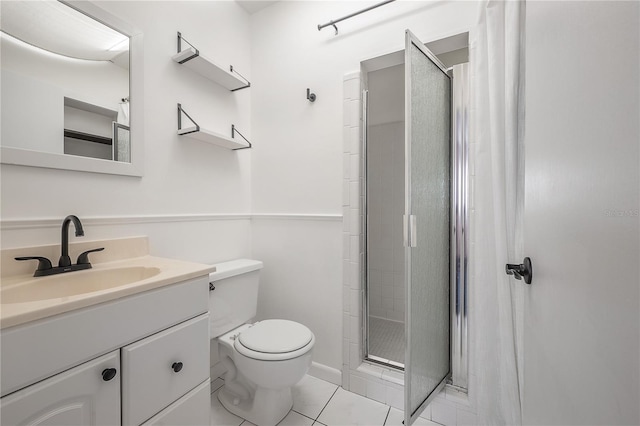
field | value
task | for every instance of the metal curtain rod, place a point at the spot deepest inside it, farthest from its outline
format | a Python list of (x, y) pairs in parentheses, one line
[(335, 21)]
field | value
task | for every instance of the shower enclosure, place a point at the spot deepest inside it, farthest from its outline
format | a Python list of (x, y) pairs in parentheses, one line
[(414, 149)]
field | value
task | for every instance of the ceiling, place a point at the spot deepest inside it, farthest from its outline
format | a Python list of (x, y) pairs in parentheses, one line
[(254, 6), (58, 28)]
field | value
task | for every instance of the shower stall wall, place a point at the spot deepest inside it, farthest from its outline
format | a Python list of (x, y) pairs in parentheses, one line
[(384, 166)]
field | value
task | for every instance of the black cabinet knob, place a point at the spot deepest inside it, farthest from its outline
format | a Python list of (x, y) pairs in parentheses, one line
[(108, 374), (176, 366)]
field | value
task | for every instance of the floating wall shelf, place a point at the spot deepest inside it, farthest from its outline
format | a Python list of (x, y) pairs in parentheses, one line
[(195, 132), (191, 58), (212, 137)]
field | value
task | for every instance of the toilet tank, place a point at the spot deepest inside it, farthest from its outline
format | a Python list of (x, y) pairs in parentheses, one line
[(234, 300)]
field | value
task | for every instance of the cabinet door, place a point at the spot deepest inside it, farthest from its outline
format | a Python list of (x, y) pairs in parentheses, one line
[(158, 370), (80, 396)]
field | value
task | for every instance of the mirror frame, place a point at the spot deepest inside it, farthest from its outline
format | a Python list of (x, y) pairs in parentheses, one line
[(26, 157)]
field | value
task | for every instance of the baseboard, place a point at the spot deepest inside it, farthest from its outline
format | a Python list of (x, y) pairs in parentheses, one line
[(326, 373)]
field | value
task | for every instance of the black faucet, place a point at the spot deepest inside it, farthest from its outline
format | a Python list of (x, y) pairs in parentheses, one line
[(64, 264), (64, 257)]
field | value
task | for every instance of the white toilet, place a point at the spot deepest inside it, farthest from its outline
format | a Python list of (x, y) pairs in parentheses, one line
[(263, 360)]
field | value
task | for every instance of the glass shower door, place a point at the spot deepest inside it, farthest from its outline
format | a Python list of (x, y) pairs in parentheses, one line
[(427, 223)]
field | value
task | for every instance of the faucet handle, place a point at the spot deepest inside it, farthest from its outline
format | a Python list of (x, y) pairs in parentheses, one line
[(43, 263), (83, 259)]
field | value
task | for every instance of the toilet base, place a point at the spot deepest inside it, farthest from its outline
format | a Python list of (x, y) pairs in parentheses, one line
[(267, 408)]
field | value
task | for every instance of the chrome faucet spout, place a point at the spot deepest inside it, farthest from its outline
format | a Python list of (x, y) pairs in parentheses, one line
[(65, 260)]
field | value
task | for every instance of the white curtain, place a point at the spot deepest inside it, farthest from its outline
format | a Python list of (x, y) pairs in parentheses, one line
[(497, 55)]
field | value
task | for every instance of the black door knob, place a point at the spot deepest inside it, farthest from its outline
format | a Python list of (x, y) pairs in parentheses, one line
[(176, 366), (108, 374), (523, 270)]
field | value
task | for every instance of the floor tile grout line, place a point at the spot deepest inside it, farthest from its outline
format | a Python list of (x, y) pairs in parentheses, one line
[(387, 416), (303, 415), (325, 405), (306, 416)]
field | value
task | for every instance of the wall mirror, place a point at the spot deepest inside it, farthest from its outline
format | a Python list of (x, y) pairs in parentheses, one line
[(71, 88)]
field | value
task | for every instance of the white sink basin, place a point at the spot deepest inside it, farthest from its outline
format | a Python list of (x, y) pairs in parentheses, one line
[(74, 283)]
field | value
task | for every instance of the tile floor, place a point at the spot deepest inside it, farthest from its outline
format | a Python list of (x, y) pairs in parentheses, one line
[(316, 402)]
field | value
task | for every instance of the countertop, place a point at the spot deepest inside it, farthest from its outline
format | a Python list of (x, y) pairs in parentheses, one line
[(171, 271)]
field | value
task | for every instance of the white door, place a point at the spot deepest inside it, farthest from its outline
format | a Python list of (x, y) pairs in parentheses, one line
[(581, 340), (86, 395)]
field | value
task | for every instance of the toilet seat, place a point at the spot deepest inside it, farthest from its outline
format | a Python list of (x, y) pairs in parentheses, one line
[(274, 340)]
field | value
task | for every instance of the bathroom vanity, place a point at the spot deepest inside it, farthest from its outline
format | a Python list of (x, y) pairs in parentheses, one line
[(134, 353)]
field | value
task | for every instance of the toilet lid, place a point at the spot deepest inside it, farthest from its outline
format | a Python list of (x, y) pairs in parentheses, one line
[(276, 336)]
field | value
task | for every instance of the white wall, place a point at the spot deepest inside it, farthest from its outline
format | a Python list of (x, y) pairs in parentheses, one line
[(298, 160), (301, 268), (385, 210), (18, 129), (182, 178), (386, 95)]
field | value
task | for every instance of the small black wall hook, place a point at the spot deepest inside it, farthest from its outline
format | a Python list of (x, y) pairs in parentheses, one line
[(523, 270), (311, 96)]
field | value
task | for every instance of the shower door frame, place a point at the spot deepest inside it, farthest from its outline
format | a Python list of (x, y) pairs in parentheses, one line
[(459, 232)]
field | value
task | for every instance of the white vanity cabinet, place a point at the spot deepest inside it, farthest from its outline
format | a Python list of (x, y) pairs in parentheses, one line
[(88, 394), (157, 341)]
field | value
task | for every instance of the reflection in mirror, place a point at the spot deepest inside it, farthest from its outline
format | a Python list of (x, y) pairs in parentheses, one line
[(65, 82)]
